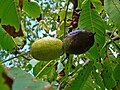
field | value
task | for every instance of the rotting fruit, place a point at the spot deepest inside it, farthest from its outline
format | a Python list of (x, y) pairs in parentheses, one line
[(46, 49), (78, 41)]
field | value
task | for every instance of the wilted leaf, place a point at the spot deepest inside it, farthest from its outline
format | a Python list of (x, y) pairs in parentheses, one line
[(12, 31)]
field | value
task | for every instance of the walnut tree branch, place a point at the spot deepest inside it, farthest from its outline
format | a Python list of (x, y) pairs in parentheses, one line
[(113, 40), (15, 57)]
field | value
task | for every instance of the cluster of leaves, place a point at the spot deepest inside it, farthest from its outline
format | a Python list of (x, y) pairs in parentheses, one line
[(24, 21)]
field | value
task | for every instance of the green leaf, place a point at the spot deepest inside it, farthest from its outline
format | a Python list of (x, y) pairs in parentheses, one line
[(38, 67), (108, 79), (113, 9), (9, 14), (117, 72), (6, 41), (91, 20), (32, 9), (25, 81), (60, 67), (28, 67), (92, 53), (90, 85), (98, 5), (82, 77), (98, 79), (62, 15), (80, 3), (48, 71)]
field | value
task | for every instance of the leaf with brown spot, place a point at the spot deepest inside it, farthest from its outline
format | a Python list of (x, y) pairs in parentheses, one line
[(102, 1), (26, 87), (11, 30), (25, 81), (92, 6), (47, 87), (8, 80), (5, 81), (9, 13), (6, 41)]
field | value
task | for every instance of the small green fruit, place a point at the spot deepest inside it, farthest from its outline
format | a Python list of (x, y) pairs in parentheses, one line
[(46, 49), (78, 41)]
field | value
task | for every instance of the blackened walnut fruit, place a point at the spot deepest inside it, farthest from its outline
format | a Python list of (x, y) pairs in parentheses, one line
[(47, 49), (78, 41)]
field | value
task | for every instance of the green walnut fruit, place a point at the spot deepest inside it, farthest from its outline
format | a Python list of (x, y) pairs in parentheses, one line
[(78, 41), (46, 49)]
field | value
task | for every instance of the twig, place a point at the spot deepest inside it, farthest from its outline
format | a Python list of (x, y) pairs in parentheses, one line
[(15, 57), (24, 56), (43, 68), (66, 17), (87, 61), (113, 40), (59, 86)]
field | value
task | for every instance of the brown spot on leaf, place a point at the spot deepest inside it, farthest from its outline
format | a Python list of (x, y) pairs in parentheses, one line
[(26, 87), (47, 87), (34, 80), (102, 1), (11, 30), (7, 68), (92, 6), (8, 80)]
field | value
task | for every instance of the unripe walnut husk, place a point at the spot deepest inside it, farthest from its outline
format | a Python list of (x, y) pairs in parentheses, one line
[(46, 49)]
